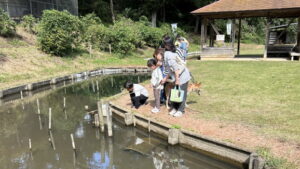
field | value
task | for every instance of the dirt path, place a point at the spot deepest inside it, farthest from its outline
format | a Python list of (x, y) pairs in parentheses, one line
[(238, 134)]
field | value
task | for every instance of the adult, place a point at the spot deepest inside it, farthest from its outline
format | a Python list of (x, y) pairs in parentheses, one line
[(178, 70)]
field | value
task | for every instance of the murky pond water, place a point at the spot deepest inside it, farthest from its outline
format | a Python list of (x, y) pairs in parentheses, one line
[(19, 122)]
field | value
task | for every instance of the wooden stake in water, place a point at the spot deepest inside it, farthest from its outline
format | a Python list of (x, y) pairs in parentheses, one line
[(38, 106), (109, 122), (112, 82), (50, 116), (73, 142), (100, 114), (139, 79)]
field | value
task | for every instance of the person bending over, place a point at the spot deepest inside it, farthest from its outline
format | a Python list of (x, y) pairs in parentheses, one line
[(138, 94)]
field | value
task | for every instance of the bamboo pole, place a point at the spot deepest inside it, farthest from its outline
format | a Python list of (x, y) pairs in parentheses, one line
[(40, 123), (64, 102), (38, 106), (109, 121), (73, 142), (97, 85), (51, 140), (100, 114), (29, 142), (50, 116), (21, 93)]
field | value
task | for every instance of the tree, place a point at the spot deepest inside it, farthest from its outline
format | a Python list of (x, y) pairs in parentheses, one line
[(112, 11)]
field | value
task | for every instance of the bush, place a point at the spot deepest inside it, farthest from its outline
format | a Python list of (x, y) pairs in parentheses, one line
[(59, 32), (7, 26), (97, 36), (29, 23), (124, 36)]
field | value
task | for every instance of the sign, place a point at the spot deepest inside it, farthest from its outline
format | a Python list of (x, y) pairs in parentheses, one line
[(174, 27), (221, 38), (229, 26)]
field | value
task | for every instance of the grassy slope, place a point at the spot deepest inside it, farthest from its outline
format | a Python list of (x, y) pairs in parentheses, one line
[(22, 62), (263, 94)]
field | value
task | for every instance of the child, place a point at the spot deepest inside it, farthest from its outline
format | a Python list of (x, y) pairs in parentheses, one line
[(138, 94), (156, 78)]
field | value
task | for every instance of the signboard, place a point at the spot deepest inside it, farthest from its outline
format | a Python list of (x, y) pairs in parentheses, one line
[(221, 38), (229, 26)]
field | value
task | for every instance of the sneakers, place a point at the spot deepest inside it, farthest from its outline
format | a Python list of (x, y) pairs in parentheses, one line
[(155, 110), (172, 112), (178, 114)]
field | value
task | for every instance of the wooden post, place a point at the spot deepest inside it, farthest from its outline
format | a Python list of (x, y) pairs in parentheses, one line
[(50, 114), (93, 86), (100, 114), (298, 36), (239, 38), (233, 33), (64, 103), (205, 31), (109, 121), (267, 38), (202, 34), (73, 142), (109, 46), (197, 24), (38, 106)]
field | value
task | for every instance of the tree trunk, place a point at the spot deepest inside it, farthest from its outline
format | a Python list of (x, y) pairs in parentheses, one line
[(164, 12), (154, 17), (112, 11)]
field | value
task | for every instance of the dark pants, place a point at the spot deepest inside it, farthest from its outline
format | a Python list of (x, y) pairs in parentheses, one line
[(181, 106), (137, 101)]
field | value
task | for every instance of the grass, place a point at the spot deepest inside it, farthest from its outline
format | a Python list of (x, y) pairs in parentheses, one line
[(262, 94), (273, 162), (24, 63)]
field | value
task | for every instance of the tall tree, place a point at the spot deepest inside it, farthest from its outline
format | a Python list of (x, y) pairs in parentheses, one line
[(112, 11)]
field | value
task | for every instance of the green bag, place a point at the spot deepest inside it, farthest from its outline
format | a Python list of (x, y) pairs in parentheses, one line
[(177, 95)]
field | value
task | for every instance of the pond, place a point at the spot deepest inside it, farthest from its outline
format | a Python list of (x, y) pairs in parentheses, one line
[(20, 121)]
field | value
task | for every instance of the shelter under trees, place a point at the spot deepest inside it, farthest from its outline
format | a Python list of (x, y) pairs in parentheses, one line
[(233, 10)]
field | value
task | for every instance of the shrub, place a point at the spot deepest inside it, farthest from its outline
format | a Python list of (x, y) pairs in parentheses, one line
[(124, 36), (7, 26), (97, 36), (59, 32), (29, 23)]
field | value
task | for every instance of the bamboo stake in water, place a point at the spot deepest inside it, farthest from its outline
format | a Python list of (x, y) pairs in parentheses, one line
[(64, 102), (21, 92), (38, 106), (73, 142), (109, 122), (51, 139), (40, 122), (100, 114), (50, 114), (93, 86), (97, 85), (29, 142)]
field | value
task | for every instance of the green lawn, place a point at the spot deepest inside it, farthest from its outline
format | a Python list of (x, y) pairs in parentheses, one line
[(262, 94)]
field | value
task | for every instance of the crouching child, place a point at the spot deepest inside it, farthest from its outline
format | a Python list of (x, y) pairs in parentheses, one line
[(138, 94)]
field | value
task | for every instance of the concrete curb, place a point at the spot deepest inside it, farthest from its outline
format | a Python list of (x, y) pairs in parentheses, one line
[(216, 149), (76, 77)]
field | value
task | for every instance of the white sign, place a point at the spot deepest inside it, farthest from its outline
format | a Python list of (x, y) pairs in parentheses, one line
[(229, 26), (174, 27), (221, 38)]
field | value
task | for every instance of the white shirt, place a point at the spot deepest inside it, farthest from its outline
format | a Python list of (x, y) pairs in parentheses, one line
[(139, 89), (156, 78)]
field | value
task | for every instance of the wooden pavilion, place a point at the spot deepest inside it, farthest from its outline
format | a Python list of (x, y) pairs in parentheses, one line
[(239, 9)]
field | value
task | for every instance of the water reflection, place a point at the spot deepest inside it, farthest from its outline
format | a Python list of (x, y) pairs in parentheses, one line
[(94, 149)]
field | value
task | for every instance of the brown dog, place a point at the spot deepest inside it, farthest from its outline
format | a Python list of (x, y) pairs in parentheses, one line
[(192, 87)]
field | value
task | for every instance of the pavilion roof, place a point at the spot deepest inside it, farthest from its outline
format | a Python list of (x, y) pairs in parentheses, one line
[(250, 8)]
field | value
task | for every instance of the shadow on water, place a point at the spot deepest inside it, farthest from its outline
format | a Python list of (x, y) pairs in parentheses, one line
[(20, 121)]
